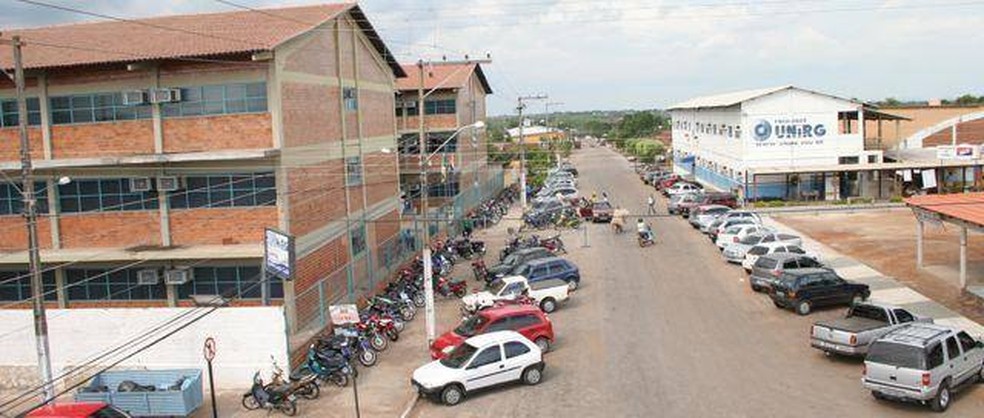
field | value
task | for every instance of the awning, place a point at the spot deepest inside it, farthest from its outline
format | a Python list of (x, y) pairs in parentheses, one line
[(688, 159)]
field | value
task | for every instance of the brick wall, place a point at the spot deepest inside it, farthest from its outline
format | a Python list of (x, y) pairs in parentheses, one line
[(431, 123), (381, 179), (315, 55), (386, 227), (215, 133), (102, 139), (315, 196), (10, 144), (221, 226), (320, 263), (110, 229), (377, 113), (14, 232), (967, 133), (310, 113)]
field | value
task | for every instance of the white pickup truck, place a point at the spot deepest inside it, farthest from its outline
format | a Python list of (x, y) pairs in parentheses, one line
[(546, 293), (864, 323)]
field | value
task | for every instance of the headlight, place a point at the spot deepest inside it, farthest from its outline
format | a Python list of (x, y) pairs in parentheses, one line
[(448, 349)]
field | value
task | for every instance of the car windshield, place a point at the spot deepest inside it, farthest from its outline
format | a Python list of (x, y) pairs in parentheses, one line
[(602, 205), (870, 312), (521, 270), (898, 355), (758, 250), (459, 356), (751, 240), (732, 230), (496, 286), (470, 325), (510, 260)]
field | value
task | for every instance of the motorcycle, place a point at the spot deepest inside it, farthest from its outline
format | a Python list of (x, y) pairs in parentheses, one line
[(332, 368), (376, 339), (480, 271), (349, 344), (269, 397), (304, 385), (554, 244), (450, 287), (645, 239)]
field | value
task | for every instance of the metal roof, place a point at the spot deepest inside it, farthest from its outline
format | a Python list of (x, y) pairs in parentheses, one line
[(734, 98), (963, 207)]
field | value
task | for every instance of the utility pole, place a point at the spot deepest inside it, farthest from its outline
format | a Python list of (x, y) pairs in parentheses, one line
[(31, 218), (522, 146), (546, 111), (424, 191)]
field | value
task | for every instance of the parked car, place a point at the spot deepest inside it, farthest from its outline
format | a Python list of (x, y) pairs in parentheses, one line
[(516, 259), (707, 198), (78, 410), (705, 214), (734, 234), (678, 201), (602, 212), (563, 192), (863, 324), (548, 294), (804, 289), (527, 320), (768, 267), (725, 223), (729, 215), (923, 363), (668, 181), (682, 187), (550, 268), (480, 362), (735, 252)]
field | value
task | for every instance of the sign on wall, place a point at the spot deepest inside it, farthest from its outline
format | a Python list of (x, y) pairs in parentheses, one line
[(343, 314), (278, 254), (786, 131), (957, 152)]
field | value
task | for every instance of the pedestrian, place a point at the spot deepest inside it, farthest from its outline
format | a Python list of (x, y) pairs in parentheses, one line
[(604, 197), (651, 203)]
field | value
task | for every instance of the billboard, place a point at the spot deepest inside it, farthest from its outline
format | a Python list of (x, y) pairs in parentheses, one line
[(957, 152), (278, 254), (788, 130)]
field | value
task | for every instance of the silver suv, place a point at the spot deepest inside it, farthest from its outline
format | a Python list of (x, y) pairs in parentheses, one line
[(923, 363)]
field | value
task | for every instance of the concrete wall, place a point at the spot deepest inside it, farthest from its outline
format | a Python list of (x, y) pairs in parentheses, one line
[(245, 340)]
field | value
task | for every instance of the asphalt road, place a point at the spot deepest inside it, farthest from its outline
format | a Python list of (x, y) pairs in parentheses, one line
[(674, 331)]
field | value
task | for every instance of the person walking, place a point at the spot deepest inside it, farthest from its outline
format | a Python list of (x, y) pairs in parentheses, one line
[(651, 204)]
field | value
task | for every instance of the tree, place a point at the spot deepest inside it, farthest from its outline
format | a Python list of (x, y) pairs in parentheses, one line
[(891, 102)]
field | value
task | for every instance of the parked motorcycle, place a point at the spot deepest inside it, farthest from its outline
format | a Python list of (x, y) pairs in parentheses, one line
[(332, 368), (447, 288), (301, 384), (269, 397)]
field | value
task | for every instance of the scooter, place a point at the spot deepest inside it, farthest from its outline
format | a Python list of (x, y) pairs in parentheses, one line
[(645, 239), (304, 385), (269, 397), (329, 368)]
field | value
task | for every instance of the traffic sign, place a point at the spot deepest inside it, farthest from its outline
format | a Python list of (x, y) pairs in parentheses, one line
[(209, 349)]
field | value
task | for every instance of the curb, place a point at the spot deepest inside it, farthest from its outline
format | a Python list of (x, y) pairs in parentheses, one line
[(410, 404)]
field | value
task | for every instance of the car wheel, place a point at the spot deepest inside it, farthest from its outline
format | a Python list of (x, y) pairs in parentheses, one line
[(777, 304), (532, 375), (857, 299), (543, 343), (803, 308), (942, 399), (548, 305), (756, 288), (572, 284), (452, 395), (877, 395)]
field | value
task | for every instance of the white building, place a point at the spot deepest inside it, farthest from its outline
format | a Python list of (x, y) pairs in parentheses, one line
[(782, 142)]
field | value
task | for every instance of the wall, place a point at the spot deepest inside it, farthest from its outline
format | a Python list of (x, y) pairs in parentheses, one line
[(245, 340), (922, 117)]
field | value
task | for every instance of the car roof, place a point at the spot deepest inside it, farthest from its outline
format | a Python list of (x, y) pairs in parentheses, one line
[(508, 310), (69, 409), (496, 337), (918, 334), (530, 250), (781, 256), (774, 244), (806, 272), (544, 260)]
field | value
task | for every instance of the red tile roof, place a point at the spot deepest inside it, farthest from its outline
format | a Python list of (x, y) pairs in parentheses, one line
[(442, 75), (176, 37), (967, 207)]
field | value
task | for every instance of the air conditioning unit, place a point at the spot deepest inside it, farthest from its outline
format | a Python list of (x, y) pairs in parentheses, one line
[(177, 276), (148, 277), (140, 184), (168, 184), (165, 95), (411, 104), (134, 97)]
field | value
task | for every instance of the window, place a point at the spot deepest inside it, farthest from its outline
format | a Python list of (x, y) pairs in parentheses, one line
[(797, 250), (16, 290), (487, 356), (226, 190), (513, 289), (806, 262), (966, 341), (790, 265), (514, 349), (439, 107), (846, 122), (99, 195), (10, 118), (934, 358), (358, 239), (501, 324), (847, 160), (353, 171), (524, 321), (12, 201), (221, 99), (110, 284), (96, 107), (351, 97), (239, 281), (903, 316), (952, 348)]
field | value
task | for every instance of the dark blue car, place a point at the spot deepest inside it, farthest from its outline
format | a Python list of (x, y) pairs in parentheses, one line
[(549, 268)]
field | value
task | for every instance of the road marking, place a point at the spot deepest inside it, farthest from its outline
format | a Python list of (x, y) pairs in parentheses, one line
[(411, 404)]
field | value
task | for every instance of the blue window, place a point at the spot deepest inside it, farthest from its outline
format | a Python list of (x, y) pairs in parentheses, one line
[(439, 107), (12, 290), (96, 107), (100, 195), (351, 97), (220, 99), (9, 115), (230, 282), (226, 190), (12, 201), (353, 171), (110, 284)]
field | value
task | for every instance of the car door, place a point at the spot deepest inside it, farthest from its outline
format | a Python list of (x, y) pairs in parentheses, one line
[(525, 324), (517, 355), (805, 262), (973, 353), (955, 361), (485, 369), (538, 273), (836, 289), (512, 290), (811, 289)]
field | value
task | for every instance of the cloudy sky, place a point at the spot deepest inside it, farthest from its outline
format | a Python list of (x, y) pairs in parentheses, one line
[(635, 54)]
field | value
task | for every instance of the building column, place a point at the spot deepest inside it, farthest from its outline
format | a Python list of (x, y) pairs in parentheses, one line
[(60, 288), (919, 243), (963, 257)]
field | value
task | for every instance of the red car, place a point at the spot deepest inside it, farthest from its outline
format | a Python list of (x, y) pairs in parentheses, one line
[(78, 410), (527, 320), (669, 182)]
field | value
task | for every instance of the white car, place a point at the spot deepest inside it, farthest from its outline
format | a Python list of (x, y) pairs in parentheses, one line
[(736, 233), (481, 361), (753, 254), (683, 187), (547, 293), (735, 253)]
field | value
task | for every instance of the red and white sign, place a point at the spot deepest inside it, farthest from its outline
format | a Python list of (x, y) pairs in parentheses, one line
[(344, 314)]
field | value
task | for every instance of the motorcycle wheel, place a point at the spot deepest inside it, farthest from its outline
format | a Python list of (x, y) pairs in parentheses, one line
[(309, 391), (460, 292), (250, 402), (399, 326), (406, 313), (378, 342), (419, 300), (367, 358), (339, 379), (288, 407), (392, 334)]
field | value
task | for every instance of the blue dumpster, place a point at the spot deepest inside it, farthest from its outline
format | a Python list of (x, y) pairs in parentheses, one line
[(176, 392)]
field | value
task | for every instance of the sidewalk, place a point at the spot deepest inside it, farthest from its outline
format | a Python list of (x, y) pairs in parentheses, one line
[(384, 389), (883, 288)]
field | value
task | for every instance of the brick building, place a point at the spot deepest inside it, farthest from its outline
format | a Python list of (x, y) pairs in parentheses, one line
[(455, 95), (184, 137)]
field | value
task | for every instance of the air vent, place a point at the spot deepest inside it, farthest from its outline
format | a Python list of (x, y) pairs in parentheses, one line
[(140, 184)]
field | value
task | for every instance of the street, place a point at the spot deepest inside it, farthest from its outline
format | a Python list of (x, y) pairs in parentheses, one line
[(674, 331)]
